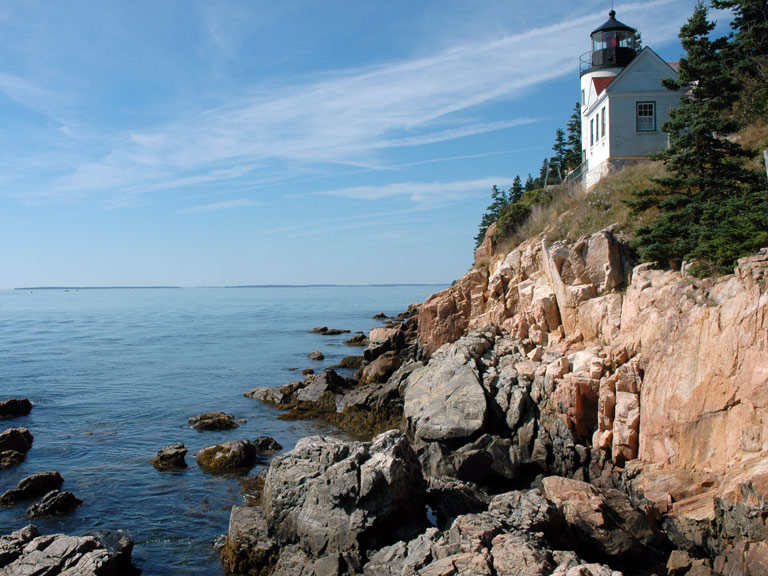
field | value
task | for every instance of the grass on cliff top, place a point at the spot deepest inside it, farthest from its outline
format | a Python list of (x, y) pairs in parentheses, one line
[(573, 212)]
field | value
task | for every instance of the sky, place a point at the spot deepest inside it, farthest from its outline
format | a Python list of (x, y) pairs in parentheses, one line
[(214, 143)]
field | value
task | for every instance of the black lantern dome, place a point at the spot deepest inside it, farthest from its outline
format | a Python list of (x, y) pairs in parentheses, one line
[(613, 44)]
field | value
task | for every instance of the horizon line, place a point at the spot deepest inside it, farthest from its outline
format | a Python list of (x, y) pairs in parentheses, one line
[(374, 285)]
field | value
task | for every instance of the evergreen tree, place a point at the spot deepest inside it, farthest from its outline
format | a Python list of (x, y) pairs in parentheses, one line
[(638, 41), (492, 213), (710, 207), (539, 182), (530, 184), (747, 55), (560, 147), (516, 192), (573, 150)]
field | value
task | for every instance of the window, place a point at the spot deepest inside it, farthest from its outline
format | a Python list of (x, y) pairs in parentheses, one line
[(602, 122), (583, 99), (592, 132), (646, 116)]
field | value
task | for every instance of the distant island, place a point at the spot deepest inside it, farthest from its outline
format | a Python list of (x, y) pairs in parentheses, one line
[(330, 285), (94, 287)]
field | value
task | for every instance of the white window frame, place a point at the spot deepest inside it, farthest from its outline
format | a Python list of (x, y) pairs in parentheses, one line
[(602, 123), (645, 116)]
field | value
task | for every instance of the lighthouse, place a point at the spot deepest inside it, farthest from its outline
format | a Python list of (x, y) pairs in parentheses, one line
[(623, 103)]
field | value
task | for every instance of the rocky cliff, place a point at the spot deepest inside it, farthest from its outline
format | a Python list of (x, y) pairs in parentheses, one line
[(676, 384), (566, 409)]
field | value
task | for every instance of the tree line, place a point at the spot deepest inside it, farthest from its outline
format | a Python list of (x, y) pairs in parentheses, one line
[(510, 208), (711, 207)]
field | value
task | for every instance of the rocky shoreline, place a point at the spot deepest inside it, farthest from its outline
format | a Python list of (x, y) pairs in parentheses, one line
[(557, 412)]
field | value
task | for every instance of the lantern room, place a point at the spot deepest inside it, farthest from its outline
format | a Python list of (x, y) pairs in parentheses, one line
[(613, 44)]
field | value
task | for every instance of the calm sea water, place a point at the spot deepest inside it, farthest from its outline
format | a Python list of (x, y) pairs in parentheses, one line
[(115, 374)]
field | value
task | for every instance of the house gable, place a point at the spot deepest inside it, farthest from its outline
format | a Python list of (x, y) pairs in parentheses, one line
[(644, 73)]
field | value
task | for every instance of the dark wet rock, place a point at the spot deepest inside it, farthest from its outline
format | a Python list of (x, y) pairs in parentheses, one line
[(95, 554), (213, 421), (170, 457), (449, 498), (357, 340), (316, 355), (380, 316), (54, 503), (352, 362), (14, 408), (267, 444), (9, 458), (248, 548), (33, 486), (307, 371), (16, 439), (325, 331), (232, 456), (604, 523)]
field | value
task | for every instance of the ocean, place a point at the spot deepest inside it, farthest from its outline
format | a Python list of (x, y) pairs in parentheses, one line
[(114, 374)]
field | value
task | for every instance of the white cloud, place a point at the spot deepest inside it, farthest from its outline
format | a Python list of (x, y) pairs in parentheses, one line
[(422, 193), (349, 117), (225, 205)]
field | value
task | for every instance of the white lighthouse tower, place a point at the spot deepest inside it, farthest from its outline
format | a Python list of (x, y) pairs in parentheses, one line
[(623, 102)]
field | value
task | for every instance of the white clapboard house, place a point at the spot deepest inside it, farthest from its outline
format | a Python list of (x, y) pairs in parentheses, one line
[(623, 104)]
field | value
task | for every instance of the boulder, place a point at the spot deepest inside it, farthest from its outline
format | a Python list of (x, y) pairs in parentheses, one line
[(380, 369), (213, 421), (170, 457), (357, 340), (445, 399), (266, 444), (316, 355), (272, 394), (603, 523), (14, 408), (248, 548), (326, 382), (32, 486), (325, 331), (232, 456), (340, 498), (12, 545), (352, 362), (95, 554), (10, 458), (54, 503), (16, 439)]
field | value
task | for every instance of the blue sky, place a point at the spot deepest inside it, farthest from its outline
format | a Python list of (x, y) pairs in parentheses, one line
[(211, 142)]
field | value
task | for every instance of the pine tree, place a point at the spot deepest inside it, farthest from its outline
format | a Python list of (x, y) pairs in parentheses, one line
[(560, 147), (516, 192), (530, 184), (710, 207), (747, 55), (500, 200), (539, 182), (573, 150)]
